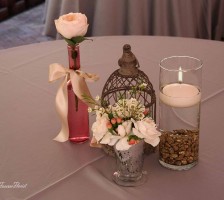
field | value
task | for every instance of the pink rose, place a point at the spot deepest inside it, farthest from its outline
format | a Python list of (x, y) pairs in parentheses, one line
[(72, 25)]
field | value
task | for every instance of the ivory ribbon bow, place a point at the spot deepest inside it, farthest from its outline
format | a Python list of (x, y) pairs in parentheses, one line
[(57, 71)]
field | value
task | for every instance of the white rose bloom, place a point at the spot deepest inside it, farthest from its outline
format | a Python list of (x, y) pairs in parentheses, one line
[(125, 128), (122, 144), (153, 140), (106, 138), (113, 140), (110, 139), (99, 127), (121, 131), (128, 126), (72, 25), (146, 129)]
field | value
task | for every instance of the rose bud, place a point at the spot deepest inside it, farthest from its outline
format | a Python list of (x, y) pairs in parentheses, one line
[(109, 125), (113, 121), (132, 141), (119, 120), (146, 112)]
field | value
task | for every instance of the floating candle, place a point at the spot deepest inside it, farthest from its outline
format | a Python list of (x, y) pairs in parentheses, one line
[(180, 95)]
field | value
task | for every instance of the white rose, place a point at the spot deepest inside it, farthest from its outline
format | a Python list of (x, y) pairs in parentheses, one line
[(110, 139), (106, 138), (122, 144), (99, 127), (125, 128), (72, 25), (146, 129)]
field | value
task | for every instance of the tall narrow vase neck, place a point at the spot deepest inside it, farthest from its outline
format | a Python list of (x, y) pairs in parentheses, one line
[(74, 57)]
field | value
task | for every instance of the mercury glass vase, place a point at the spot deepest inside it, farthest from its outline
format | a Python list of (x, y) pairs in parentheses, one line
[(78, 117), (129, 165)]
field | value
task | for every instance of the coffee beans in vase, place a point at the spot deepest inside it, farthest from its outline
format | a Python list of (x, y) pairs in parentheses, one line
[(179, 148)]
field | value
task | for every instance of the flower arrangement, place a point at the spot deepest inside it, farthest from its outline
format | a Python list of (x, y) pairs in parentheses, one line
[(123, 124), (72, 27)]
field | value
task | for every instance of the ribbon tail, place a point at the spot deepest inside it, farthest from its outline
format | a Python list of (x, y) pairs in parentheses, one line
[(61, 102), (80, 87)]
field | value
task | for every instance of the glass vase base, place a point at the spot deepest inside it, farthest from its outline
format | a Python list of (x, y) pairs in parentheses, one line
[(130, 181), (79, 140), (176, 167)]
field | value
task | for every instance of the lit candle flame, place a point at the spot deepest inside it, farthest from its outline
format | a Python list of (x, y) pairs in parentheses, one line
[(180, 75)]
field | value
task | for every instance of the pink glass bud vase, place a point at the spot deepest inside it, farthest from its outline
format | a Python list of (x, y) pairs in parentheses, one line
[(78, 117)]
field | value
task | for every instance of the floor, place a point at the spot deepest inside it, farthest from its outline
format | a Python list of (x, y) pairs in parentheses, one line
[(24, 28)]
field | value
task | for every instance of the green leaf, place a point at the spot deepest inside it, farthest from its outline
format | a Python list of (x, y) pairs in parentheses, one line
[(110, 115), (75, 40), (135, 137), (70, 42), (115, 126), (78, 39)]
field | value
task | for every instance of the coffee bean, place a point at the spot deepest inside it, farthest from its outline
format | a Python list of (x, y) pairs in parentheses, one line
[(184, 162), (179, 147), (178, 163), (175, 148), (174, 155)]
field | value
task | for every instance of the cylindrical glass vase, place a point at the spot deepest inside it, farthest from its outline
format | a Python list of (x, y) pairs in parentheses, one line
[(78, 117), (129, 165), (179, 111)]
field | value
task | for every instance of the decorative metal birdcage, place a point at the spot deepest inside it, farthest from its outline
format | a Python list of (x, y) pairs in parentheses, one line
[(123, 80)]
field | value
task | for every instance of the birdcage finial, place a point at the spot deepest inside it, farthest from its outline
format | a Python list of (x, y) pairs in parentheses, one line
[(128, 62)]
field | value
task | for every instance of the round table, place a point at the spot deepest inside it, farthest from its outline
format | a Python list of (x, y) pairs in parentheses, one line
[(46, 169)]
